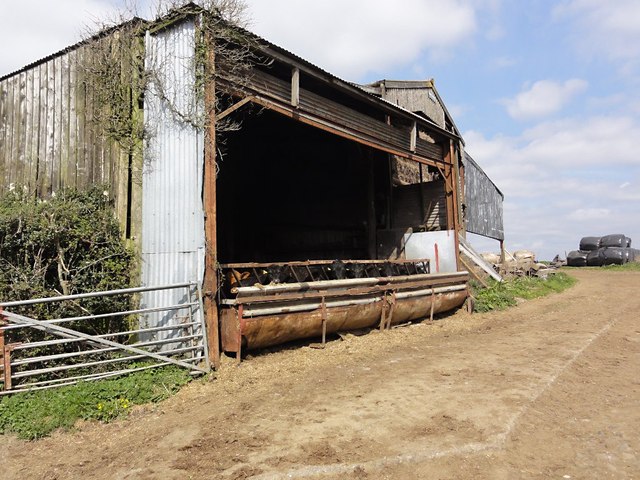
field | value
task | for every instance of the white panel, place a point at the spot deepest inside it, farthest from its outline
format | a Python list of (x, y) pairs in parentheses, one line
[(438, 247)]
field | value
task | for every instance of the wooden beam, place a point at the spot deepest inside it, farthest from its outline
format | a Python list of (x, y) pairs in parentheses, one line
[(210, 282), (371, 207), (343, 132), (451, 195), (414, 137), (233, 108), (295, 87)]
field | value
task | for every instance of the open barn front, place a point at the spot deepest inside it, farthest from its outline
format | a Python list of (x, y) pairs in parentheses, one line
[(310, 227), (288, 191)]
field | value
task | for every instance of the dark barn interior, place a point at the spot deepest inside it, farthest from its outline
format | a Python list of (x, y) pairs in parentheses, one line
[(288, 191)]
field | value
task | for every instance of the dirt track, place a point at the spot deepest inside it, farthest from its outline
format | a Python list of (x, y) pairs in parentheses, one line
[(550, 389)]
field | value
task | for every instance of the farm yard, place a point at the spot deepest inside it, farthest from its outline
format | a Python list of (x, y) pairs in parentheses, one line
[(547, 389)]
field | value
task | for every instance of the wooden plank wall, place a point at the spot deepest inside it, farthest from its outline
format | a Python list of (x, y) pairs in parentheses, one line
[(47, 138)]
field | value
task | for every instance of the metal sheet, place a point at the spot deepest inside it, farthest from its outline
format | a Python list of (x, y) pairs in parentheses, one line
[(484, 214), (439, 247), (173, 240)]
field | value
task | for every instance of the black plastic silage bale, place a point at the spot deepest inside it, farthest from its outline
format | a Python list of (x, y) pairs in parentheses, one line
[(614, 256), (589, 244), (615, 240), (595, 258), (630, 253), (628, 242), (577, 258)]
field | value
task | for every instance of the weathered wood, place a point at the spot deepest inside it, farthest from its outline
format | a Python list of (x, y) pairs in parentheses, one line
[(56, 160), (65, 98), (210, 283), (4, 125), (371, 207), (42, 130), (295, 87), (81, 114), (21, 125), (413, 137), (13, 141), (29, 124), (48, 175), (72, 155)]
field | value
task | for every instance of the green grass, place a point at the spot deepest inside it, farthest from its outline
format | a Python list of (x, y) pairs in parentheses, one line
[(627, 267), (499, 296), (32, 415)]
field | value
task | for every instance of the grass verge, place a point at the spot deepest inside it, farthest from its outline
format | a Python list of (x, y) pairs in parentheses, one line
[(33, 415), (499, 296)]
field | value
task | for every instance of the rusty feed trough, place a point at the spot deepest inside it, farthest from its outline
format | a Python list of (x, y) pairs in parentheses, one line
[(260, 315)]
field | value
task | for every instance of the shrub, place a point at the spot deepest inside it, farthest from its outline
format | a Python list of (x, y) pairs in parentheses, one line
[(499, 296)]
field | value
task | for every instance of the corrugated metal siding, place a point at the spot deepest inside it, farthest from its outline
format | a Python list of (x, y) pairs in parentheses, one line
[(483, 202), (173, 241), (47, 140)]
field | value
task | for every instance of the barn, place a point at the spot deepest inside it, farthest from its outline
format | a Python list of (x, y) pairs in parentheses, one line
[(300, 203)]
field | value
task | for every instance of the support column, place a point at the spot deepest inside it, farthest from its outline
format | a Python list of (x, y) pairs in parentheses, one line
[(371, 208), (210, 283), (451, 192)]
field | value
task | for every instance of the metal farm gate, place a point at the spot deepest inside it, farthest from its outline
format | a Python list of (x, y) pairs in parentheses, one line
[(37, 354)]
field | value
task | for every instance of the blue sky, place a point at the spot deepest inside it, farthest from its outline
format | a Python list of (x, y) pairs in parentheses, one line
[(546, 93)]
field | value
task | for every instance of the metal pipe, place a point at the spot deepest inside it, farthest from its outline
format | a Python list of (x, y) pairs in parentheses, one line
[(73, 380), (63, 341), (31, 373), (308, 306), (345, 303), (349, 282), (65, 332), (422, 293), (58, 321), (80, 353), (94, 294)]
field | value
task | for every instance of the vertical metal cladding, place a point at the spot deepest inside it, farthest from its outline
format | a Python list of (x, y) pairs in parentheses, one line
[(483, 202), (173, 241)]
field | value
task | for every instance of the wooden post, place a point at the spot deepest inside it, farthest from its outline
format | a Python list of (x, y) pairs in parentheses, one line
[(5, 359), (423, 213), (210, 283), (414, 137), (451, 191), (295, 87), (371, 208)]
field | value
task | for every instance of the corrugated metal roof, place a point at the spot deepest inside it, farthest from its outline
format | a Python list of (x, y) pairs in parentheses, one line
[(177, 15)]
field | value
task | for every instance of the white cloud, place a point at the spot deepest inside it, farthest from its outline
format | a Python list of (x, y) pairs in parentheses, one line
[(358, 37), (611, 29), (37, 28), (589, 214), (564, 180), (544, 98)]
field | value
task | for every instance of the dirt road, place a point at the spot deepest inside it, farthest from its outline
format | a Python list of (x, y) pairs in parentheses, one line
[(549, 389)]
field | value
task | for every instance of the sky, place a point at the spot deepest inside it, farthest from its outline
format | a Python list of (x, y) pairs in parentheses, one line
[(546, 93)]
